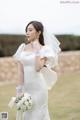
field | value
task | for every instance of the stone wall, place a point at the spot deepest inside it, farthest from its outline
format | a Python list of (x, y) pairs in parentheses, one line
[(68, 62), (8, 70)]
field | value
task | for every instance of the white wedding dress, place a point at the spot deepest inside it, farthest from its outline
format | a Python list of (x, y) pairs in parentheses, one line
[(35, 83)]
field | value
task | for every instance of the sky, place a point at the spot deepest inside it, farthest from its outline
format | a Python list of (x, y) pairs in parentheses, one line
[(58, 16)]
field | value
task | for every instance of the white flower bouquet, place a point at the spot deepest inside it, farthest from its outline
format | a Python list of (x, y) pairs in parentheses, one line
[(22, 103)]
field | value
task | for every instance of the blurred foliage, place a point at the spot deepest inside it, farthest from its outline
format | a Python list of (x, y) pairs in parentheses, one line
[(69, 42), (10, 43)]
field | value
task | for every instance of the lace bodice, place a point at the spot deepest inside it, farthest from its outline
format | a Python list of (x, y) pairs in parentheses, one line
[(28, 58)]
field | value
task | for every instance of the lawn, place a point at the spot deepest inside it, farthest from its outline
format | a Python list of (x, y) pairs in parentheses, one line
[(64, 98)]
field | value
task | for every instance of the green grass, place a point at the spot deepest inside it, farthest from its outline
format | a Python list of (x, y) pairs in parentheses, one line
[(64, 98), (6, 92)]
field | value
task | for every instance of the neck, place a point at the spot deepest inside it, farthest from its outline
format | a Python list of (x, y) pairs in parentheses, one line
[(34, 43)]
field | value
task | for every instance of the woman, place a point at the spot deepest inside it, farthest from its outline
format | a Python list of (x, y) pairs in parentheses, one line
[(33, 59)]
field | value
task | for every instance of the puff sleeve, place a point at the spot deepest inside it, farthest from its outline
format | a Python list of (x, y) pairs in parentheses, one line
[(52, 57), (18, 52)]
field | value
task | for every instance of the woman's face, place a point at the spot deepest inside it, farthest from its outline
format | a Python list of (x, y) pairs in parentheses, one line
[(31, 33)]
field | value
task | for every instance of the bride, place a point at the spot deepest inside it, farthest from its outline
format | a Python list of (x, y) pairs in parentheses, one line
[(35, 60)]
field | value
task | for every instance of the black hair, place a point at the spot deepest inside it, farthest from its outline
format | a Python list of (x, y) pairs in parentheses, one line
[(39, 27)]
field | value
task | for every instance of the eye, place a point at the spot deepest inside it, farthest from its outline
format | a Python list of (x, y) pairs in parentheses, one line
[(30, 30)]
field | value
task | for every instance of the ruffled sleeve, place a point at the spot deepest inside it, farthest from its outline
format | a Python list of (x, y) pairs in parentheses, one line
[(52, 57), (18, 52), (49, 75)]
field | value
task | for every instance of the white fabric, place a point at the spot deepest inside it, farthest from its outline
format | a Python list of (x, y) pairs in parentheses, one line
[(48, 52), (50, 76), (37, 83), (52, 41), (19, 50)]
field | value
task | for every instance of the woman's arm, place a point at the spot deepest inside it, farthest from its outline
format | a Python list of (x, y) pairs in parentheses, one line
[(40, 63), (20, 81), (20, 74)]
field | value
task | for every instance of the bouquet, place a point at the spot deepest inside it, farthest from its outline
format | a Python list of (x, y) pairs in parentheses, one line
[(22, 103)]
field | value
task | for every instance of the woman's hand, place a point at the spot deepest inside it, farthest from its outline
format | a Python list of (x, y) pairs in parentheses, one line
[(39, 63), (19, 90)]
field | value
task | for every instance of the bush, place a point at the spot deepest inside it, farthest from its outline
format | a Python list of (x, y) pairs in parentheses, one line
[(69, 42), (10, 43)]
